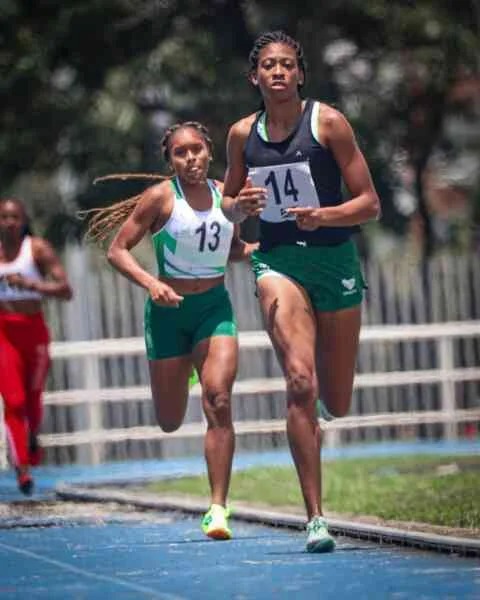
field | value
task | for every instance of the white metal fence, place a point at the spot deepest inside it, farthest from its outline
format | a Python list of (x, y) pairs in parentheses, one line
[(93, 434), (417, 368)]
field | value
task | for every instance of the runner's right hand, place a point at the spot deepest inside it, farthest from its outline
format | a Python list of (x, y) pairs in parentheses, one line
[(164, 295), (251, 200)]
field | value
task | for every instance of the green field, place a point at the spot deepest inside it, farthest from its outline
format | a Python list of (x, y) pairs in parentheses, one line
[(442, 491)]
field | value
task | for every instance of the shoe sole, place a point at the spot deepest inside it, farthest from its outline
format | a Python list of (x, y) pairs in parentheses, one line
[(219, 534), (321, 546)]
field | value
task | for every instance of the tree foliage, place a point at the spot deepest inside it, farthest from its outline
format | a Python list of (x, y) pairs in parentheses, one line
[(87, 86)]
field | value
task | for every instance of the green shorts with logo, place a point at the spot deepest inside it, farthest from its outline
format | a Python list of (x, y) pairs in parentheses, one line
[(331, 275), (176, 331)]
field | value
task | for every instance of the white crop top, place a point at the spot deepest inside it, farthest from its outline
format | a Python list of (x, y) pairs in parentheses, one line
[(193, 244), (23, 264)]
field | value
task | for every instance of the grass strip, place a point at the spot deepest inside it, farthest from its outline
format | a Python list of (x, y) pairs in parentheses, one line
[(440, 491)]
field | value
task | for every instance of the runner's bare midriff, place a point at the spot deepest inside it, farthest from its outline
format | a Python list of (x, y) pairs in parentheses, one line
[(24, 307), (192, 286)]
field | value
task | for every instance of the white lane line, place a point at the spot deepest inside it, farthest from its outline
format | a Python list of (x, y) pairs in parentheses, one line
[(136, 588)]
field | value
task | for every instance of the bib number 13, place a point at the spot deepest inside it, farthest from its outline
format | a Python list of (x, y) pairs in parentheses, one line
[(289, 189), (213, 235)]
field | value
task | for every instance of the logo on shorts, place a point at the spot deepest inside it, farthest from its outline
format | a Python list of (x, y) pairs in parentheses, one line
[(349, 285)]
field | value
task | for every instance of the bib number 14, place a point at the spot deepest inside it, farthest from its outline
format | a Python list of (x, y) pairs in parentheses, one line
[(288, 185), (289, 189)]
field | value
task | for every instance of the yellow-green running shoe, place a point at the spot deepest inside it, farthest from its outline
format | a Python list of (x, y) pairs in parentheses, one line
[(194, 378), (318, 538), (215, 523)]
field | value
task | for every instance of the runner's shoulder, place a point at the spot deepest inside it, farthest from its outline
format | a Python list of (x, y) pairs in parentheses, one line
[(241, 128)]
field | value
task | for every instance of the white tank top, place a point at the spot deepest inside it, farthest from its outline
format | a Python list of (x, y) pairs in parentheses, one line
[(193, 244), (23, 264)]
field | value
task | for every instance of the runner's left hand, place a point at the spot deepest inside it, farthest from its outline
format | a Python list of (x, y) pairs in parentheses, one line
[(307, 217)]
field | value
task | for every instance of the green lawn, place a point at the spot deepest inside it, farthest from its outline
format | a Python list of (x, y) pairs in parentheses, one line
[(441, 491)]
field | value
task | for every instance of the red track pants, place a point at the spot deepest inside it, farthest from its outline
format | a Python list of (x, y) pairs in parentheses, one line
[(24, 364)]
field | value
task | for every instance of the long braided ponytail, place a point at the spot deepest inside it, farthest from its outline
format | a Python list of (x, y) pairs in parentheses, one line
[(105, 220)]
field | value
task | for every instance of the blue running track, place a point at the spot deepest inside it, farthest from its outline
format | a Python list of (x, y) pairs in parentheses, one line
[(130, 554)]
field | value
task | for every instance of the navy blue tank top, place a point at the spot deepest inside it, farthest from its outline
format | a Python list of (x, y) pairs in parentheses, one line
[(299, 146)]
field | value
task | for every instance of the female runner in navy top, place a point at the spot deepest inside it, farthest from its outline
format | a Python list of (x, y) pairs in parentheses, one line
[(286, 164)]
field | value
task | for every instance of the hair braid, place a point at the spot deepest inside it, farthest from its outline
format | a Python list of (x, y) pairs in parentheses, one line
[(104, 221)]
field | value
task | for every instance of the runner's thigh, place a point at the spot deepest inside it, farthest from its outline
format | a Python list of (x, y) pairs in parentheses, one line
[(338, 334), (169, 383), (290, 321), (216, 359)]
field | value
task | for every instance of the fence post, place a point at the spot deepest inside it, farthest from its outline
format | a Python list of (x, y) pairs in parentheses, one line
[(93, 409), (3, 439), (447, 388), (331, 438)]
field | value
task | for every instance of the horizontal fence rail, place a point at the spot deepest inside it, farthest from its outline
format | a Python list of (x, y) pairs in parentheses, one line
[(88, 354), (259, 339)]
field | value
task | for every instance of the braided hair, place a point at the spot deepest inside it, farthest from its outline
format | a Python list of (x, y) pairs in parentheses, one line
[(104, 221), (277, 37)]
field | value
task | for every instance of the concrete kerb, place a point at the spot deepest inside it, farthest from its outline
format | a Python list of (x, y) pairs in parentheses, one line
[(384, 535)]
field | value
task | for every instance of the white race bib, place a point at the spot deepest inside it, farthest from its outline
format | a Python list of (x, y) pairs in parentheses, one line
[(288, 186)]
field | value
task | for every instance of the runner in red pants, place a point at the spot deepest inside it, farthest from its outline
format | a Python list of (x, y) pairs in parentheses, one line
[(29, 271)]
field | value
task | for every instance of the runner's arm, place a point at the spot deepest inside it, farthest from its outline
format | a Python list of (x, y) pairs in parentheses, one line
[(150, 208), (55, 283), (240, 198), (364, 204), (240, 250)]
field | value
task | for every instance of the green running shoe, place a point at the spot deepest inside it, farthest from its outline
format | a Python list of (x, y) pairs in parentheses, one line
[(322, 412), (215, 523), (318, 538), (194, 378)]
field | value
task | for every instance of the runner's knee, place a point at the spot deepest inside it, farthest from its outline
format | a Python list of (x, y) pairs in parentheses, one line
[(300, 386), (169, 418), (217, 407), (168, 426), (331, 411)]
